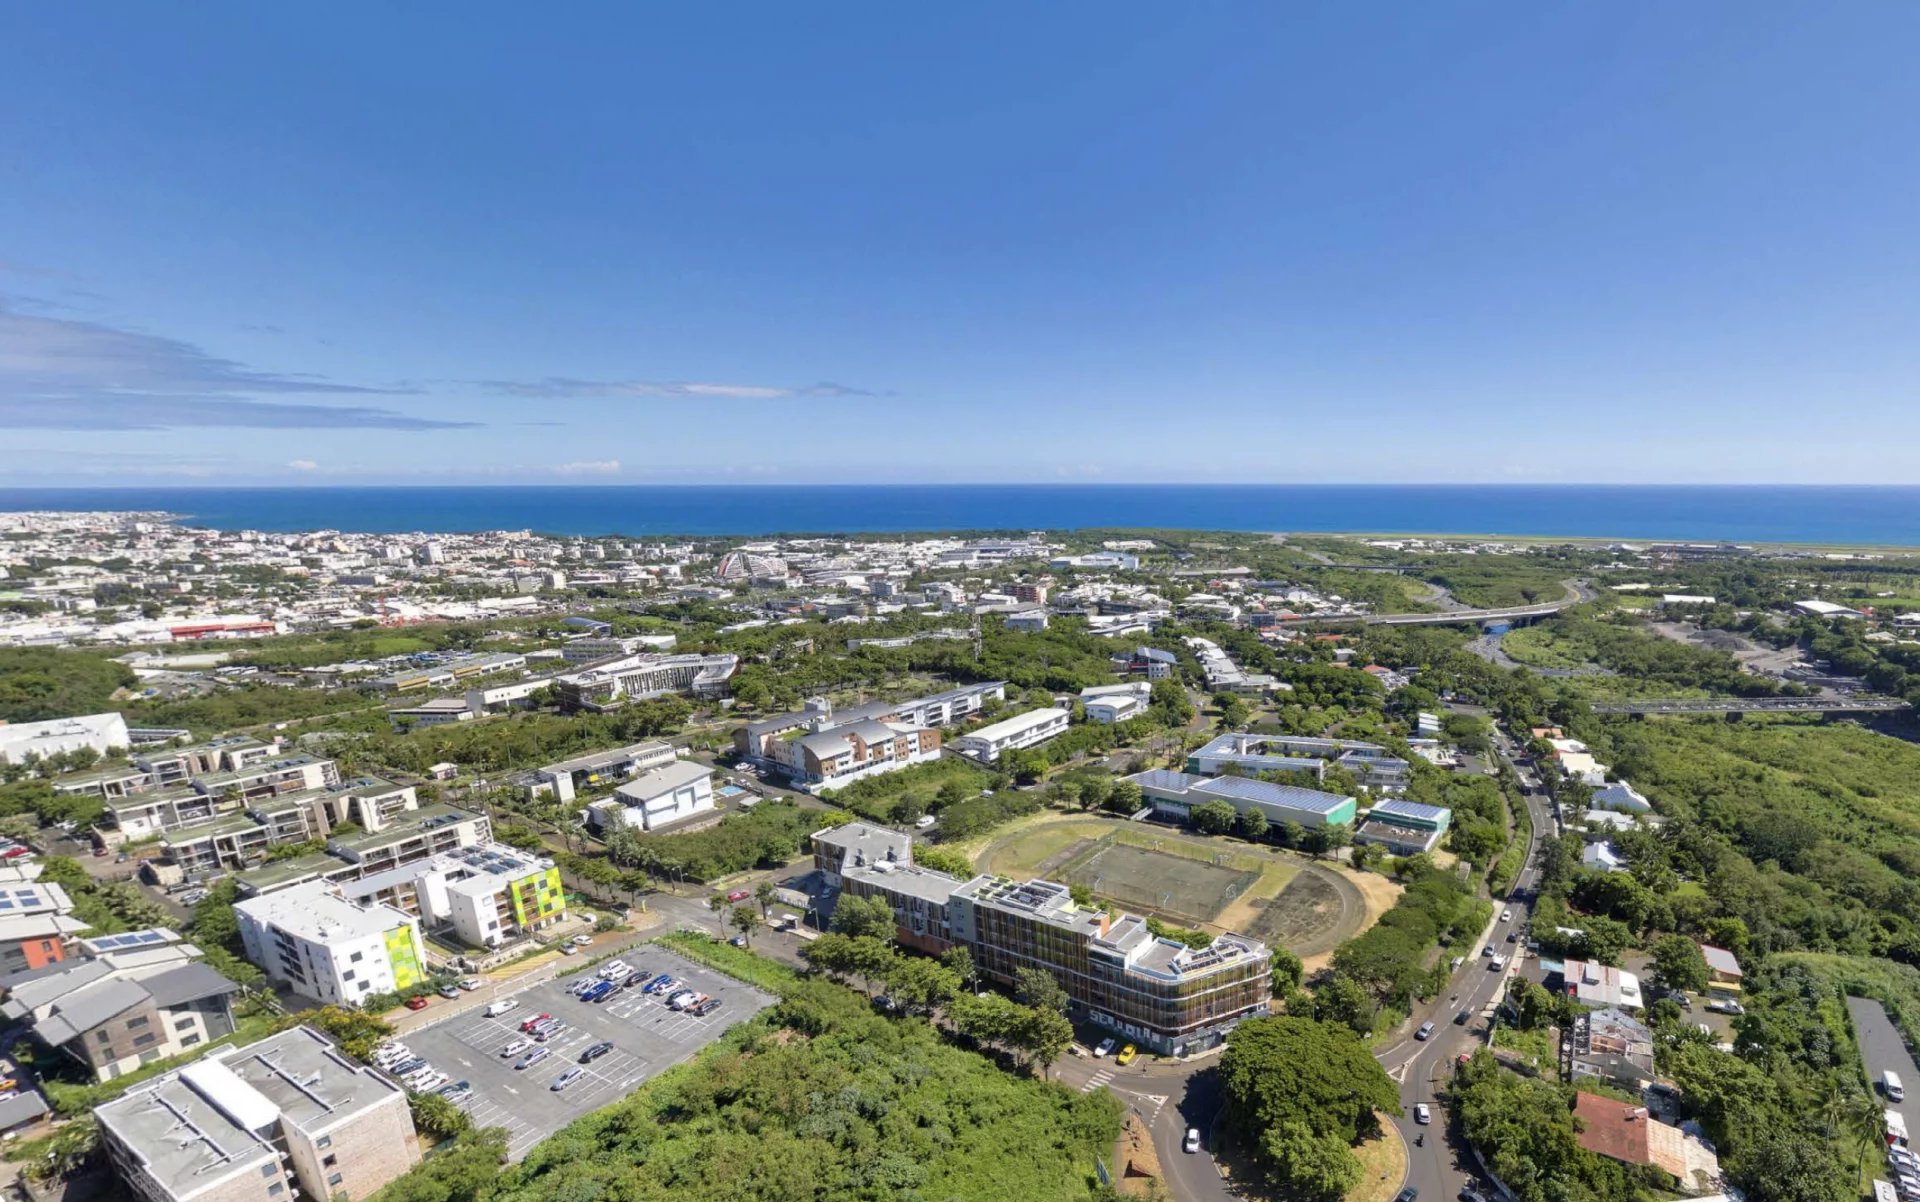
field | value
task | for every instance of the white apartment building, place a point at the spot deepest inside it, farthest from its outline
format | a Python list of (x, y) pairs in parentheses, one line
[(289, 1116), (598, 769), (1030, 729), (657, 798), (329, 949), (1112, 703), (482, 895)]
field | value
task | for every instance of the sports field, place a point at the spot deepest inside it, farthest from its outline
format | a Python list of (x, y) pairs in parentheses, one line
[(1190, 880)]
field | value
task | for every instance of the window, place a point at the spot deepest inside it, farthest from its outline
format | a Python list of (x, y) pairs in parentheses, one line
[(334, 1178), (357, 957), (104, 1037), (266, 1170), (347, 975), (324, 1142), (144, 1040), (134, 1024), (276, 1189), (329, 1160), (187, 1041)]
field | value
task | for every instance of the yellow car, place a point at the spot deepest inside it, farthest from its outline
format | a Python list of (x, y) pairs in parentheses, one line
[(1126, 1055)]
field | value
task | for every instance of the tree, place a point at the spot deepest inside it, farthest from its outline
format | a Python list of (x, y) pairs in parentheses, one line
[(763, 893), (1679, 963), (1287, 971), (1342, 1000), (959, 961), (718, 904), (746, 920), (1040, 989), (944, 859), (357, 1032), (869, 917), (1042, 1035), (1253, 823), (1214, 818), (1125, 797), (434, 1115), (1304, 1092)]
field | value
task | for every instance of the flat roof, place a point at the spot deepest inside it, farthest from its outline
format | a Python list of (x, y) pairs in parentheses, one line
[(606, 759), (313, 911), (1018, 724), (1415, 810), (664, 779), (410, 825)]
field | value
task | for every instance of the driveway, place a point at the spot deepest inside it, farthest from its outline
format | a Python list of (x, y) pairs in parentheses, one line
[(1883, 1048)]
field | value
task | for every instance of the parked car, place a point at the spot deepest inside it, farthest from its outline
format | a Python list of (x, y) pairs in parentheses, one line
[(738, 941), (705, 1008), (567, 1078), (495, 1009), (418, 1003), (581, 940), (457, 1093), (1725, 1005), (516, 1047), (596, 1051), (1126, 1055), (535, 1021), (547, 1031), (406, 1068), (469, 983), (1105, 1047), (661, 984), (1192, 1143), (682, 999), (532, 1058), (449, 991), (739, 895)]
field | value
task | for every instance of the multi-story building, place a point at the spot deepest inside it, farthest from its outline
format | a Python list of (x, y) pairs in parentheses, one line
[(1372, 765), (1405, 828), (565, 779), (36, 917), (951, 707), (226, 843), (110, 783), (838, 754), (1150, 662), (267, 778), (289, 1116), (657, 798), (1176, 794), (1110, 703), (125, 1001), (614, 683), (1157, 992), (177, 765), (1021, 731), (428, 831), (482, 896), (330, 949), (146, 814)]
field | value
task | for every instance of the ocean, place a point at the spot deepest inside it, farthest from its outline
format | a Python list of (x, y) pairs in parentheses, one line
[(1870, 515)]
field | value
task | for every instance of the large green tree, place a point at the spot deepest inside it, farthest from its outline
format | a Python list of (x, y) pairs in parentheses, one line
[(1303, 1093)]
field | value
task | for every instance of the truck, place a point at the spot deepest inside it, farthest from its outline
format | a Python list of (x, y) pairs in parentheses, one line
[(1891, 1086), (1896, 1129)]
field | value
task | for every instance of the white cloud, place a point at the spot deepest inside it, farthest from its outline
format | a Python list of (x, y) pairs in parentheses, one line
[(565, 386), (588, 467), (302, 465)]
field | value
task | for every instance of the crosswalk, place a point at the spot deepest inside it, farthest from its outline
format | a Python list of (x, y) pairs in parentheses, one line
[(1099, 1079)]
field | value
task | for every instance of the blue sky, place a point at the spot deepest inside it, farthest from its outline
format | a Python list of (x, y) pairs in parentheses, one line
[(791, 243)]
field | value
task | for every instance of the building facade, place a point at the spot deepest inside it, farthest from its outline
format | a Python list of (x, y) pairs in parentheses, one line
[(1017, 733), (328, 948)]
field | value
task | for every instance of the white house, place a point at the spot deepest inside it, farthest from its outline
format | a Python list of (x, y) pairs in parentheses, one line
[(1621, 796), (658, 797), (1112, 703)]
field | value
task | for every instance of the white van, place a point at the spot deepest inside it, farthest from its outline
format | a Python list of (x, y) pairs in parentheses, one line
[(495, 1009), (1891, 1086)]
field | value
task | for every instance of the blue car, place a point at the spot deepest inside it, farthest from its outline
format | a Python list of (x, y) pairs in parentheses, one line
[(595, 993), (658, 983)]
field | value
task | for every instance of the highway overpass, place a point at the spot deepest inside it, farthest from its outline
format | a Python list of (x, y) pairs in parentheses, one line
[(1451, 617)]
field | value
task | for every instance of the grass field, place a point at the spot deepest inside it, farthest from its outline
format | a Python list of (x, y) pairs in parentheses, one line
[(1544, 647), (1217, 885)]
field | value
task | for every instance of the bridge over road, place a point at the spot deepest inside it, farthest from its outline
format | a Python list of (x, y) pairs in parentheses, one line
[(1754, 705), (1577, 591)]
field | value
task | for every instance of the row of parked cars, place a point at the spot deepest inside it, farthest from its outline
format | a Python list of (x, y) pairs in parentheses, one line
[(618, 974), (398, 1061)]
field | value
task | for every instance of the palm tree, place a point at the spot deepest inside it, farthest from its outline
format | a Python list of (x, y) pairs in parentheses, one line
[(718, 904), (763, 893)]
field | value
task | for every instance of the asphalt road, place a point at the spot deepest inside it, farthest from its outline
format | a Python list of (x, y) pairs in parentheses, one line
[(1882, 1048)]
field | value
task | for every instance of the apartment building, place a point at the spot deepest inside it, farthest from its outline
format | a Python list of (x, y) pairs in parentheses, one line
[(327, 948), (177, 765), (266, 778), (590, 650), (612, 684), (110, 783), (36, 918), (1176, 794), (567, 778), (1372, 765), (125, 1001), (951, 707), (839, 754), (1111, 703), (657, 798), (1021, 731), (289, 1116), (482, 896), (1158, 993), (428, 831), (1150, 662)]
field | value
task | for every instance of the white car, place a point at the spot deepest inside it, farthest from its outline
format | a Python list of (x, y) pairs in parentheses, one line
[(1506, 916), (428, 1081), (470, 983), (581, 940), (1421, 1114), (1106, 1047), (1499, 962), (616, 974), (1192, 1143), (516, 1047), (495, 1009)]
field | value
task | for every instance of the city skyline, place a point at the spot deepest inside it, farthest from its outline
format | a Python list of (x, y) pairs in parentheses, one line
[(1471, 245)]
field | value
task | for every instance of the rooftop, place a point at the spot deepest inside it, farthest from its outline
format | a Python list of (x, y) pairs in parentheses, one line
[(411, 825), (314, 911), (865, 843), (664, 779), (1018, 724), (610, 757)]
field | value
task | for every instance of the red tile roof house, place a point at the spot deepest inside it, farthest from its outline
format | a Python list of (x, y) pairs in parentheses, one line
[(1625, 1132)]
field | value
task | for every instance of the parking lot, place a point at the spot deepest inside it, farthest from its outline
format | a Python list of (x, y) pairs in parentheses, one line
[(647, 1039)]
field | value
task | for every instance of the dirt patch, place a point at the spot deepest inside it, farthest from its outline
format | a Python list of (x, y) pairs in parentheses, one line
[(1158, 882), (1137, 1158), (1379, 893), (1313, 914)]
